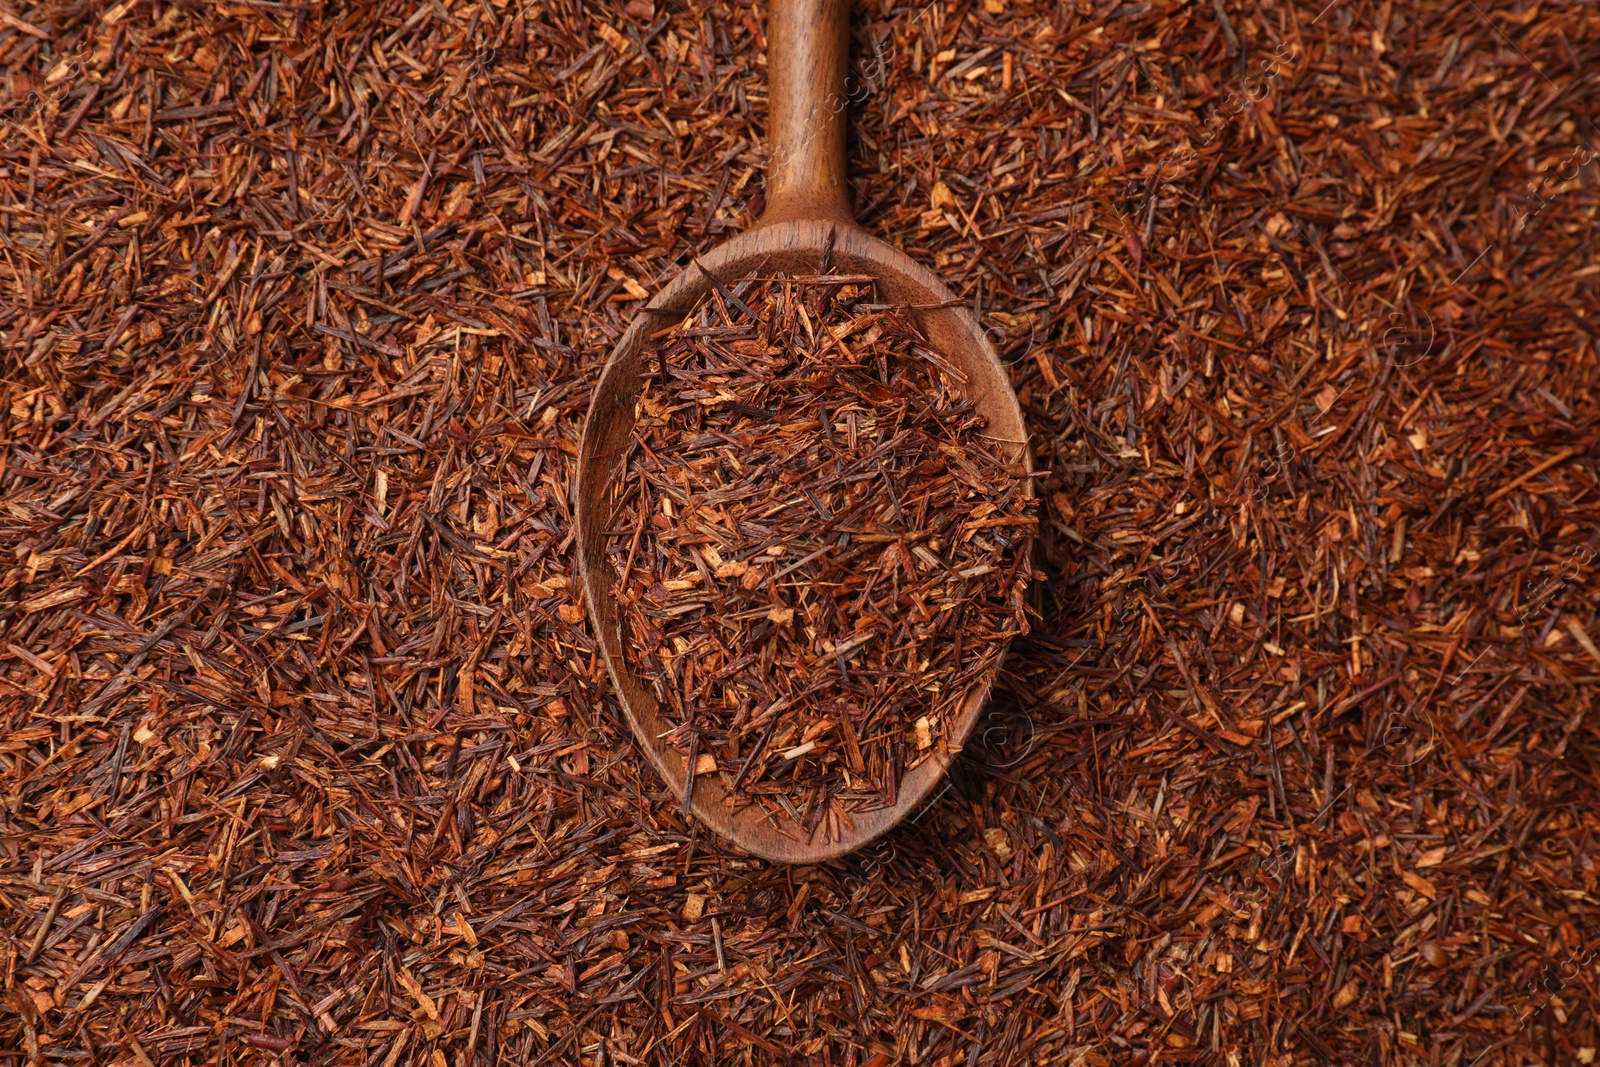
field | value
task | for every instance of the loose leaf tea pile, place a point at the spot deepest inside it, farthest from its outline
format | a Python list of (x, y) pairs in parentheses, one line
[(826, 553), (306, 749)]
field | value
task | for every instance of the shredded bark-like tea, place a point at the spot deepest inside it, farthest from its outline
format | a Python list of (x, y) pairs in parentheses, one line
[(825, 554), (303, 749)]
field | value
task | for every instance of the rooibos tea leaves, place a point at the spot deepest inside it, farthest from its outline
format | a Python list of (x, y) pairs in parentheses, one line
[(819, 552)]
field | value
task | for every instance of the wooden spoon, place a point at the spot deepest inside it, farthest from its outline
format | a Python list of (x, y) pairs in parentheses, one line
[(807, 218)]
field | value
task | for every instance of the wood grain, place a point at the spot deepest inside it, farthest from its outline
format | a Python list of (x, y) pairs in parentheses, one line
[(808, 55)]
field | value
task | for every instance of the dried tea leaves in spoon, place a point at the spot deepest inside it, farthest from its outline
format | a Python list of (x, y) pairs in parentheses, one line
[(819, 553)]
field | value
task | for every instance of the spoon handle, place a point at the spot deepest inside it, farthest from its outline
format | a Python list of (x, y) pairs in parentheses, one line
[(808, 46)]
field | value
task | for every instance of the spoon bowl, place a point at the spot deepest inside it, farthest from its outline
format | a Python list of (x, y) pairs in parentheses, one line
[(806, 227)]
